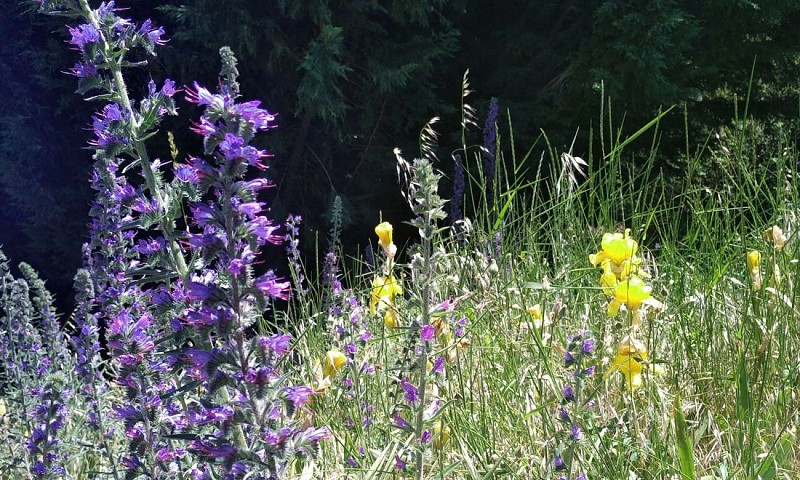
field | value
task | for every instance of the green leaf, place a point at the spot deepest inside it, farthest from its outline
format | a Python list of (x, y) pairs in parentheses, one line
[(684, 441)]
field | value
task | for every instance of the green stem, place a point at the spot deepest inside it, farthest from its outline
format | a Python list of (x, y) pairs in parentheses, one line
[(422, 360)]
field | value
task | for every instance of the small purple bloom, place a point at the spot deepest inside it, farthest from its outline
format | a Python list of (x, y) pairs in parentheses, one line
[(577, 434), (399, 463), (186, 174), (299, 395), (426, 436), (411, 391), (588, 346), (563, 415), (200, 95), (569, 394), (83, 70), (400, 422), (269, 286), (427, 333), (277, 344), (83, 35), (438, 365)]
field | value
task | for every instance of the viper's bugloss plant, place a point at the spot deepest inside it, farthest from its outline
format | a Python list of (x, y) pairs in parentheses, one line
[(202, 393), (35, 380), (576, 406), (421, 182)]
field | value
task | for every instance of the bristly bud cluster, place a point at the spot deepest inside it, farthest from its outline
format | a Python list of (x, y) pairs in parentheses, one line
[(34, 376)]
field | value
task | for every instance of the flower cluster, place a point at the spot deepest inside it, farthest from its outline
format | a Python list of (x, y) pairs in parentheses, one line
[(622, 282), (244, 400), (386, 287), (203, 395)]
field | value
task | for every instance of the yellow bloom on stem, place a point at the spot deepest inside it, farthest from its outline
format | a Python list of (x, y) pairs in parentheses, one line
[(631, 361), (334, 361), (754, 266), (753, 260), (440, 434), (776, 236), (633, 293), (536, 312), (616, 247), (608, 281), (384, 232), (390, 318), (384, 291)]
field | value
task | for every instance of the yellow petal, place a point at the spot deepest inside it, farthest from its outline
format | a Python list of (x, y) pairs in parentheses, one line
[(334, 361), (619, 247), (753, 260), (613, 308), (384, 232), (390, 319)]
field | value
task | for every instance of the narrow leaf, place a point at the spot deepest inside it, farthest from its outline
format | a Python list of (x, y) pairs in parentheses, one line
[(684, 441)]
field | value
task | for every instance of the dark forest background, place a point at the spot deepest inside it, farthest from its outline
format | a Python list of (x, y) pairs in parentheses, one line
[(353, 79)]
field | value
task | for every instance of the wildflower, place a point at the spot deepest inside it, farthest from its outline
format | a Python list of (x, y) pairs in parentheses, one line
[(754, 267), (384, 232), (334, 361), (441, 434), (83, 35), (633, 293), (411, 391), (631, 361), (617, 254), (384, 291), (776, 236), (427, 332), (390, 319), (569, 393)]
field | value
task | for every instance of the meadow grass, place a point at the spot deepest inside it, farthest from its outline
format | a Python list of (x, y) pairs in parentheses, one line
[(724, 403)]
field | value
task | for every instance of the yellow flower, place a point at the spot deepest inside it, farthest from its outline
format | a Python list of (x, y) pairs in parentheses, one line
[(440, 435), (608, 281), (754, 266), (384, 232), (536, 312), (334, 361), (2, 407), (633, 293), (753, 260), (384, 291), (390, 318), (616, 247), (630, 361)]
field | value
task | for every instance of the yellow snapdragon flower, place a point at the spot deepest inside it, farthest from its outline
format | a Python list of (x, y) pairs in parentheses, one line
[(633, 293), (616, 247), (384, 291), (754, 267), (631, 361), (384, 233), (440, 434), (334, 361)]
